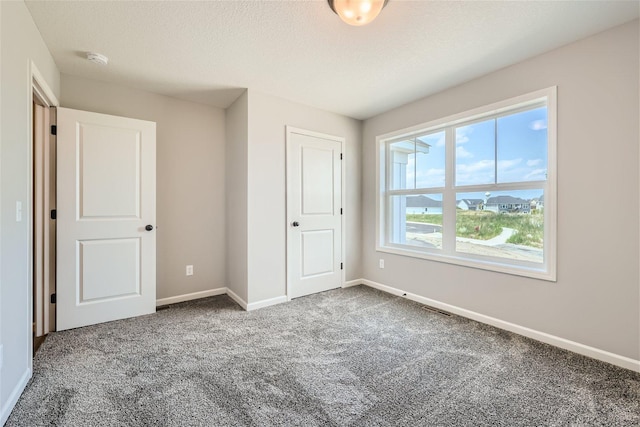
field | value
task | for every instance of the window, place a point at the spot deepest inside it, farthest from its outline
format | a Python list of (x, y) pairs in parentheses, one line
[(475, 189)]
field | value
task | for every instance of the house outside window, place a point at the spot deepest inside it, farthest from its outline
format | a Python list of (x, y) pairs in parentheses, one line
[(475, 189)]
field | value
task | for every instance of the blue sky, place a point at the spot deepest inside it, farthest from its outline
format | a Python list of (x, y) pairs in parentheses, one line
[(521, 152)]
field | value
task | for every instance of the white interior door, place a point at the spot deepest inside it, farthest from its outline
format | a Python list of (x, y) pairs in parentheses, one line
[(106, 200), (314, 212)]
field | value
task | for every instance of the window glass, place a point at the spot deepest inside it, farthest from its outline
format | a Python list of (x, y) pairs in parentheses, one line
[(522, 146), (417, 220), (504, 224), (402, 164), (475, 153), (430, 160)]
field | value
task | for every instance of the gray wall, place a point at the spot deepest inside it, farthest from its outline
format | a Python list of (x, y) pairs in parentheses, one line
[(596, 298), (268, 116), (190, 179), (237, 129), (20, 44)]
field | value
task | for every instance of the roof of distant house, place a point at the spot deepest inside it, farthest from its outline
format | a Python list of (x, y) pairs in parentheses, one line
[(499, 200), (422, 202)]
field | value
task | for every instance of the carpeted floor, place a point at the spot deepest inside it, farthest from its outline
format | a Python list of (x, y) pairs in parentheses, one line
[(349, 357)]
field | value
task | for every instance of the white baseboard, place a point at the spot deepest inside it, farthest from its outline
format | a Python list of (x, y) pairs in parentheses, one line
[(221, 291), (242, 303), (585, 350), (266, 303), (14, 396), (191, 296), (351, 283)]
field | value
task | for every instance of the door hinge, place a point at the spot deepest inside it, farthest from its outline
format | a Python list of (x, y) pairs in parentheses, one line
[(54, 130), (341, 266), (340, 156), (340, 211), (53, 298), (54, 214)]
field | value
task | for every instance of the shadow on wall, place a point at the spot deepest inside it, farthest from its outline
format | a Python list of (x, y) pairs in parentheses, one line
[(221, 97)]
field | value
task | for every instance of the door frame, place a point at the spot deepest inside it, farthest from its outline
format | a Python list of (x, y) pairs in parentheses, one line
[(39, 90), (289, 130)]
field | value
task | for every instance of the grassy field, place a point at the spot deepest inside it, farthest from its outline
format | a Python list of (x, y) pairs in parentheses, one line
[(485, 225)]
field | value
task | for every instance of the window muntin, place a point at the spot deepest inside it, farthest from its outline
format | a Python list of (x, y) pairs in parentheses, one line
[(501, 152)]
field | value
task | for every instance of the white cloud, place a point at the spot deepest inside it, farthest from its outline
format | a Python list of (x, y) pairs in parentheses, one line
[(480, 166), (431, 172), (536, 175), (461, 134), (461, 153), (538, 125), (534, 162), (485, 177), (433, 177), (507, 164), (462, 139), (441, 141)]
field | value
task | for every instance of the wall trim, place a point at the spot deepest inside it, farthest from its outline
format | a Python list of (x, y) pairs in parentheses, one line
[(191, 296), (266, 303), (242, 303), (6, 409), (351, 283), (585, 350), (40, 85)]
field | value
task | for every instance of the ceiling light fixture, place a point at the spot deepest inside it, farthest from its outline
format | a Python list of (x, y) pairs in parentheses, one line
[(357, 12), (97, 58)]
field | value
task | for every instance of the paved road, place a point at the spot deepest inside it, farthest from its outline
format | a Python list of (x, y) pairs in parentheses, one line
[(423, 228)]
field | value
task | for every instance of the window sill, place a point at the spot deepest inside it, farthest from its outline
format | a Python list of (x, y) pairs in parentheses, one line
[(494, 265)]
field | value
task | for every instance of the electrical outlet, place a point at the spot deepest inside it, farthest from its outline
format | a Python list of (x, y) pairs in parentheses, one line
[(381, 263), (189, 270)]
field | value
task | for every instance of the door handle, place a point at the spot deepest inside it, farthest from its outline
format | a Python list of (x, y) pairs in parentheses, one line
[(295, 223), (149, 227)]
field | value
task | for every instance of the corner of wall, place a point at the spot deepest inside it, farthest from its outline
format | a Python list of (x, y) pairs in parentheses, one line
[(22, 45), (236, 196)]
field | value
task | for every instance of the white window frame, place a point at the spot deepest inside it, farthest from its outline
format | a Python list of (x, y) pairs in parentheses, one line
[(545, 270)]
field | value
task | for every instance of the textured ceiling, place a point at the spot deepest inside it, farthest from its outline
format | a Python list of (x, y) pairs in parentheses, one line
[(300, 50)]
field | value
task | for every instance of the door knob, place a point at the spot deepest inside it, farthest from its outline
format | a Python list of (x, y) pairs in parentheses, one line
[(149, 227), (295, 223)]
